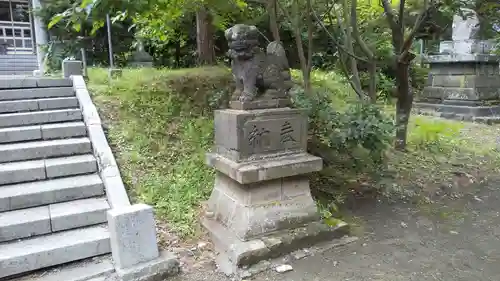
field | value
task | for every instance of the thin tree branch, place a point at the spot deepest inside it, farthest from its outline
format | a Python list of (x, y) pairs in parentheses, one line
[(327, 12), (397, 36), (287, 15), (390, 15), (285, 12), (355, 87), (304, 64), (372, 86), (355, 30), (335, 42), (354, 78), (418, 24), (401, 16)]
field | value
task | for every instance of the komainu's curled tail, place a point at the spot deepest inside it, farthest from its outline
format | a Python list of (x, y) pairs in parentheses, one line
[(275, 48)]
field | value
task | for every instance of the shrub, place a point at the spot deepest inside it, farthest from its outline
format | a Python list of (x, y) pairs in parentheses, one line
[(419, 76), (359, 126)]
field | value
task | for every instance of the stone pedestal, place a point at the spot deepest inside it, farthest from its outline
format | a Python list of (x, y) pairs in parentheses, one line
[(464, 79), (141, 58), (261, 195), (463, 86)]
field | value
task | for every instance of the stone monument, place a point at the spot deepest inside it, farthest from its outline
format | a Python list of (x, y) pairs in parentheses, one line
[(141, 58), (261, 205), (464, 79)]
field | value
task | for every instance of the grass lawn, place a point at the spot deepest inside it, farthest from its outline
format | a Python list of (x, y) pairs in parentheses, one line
[(160, 125)]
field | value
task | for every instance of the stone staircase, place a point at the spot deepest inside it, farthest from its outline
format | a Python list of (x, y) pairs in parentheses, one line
[(52, 199), (18, 64)]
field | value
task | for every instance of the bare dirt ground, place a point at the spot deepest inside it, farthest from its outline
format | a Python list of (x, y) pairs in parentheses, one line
[(452, 239)]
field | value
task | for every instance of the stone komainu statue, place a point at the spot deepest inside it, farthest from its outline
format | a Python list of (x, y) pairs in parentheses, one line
[(258, 75)]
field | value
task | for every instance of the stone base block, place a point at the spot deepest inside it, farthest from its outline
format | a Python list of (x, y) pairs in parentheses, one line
[(465, 81), (72, 67), (450, 93), (133, 245), (462, 58), (242, 135), (260, 104), (468, 46), (232, 253), (482, 68), (133, 235), (466, 110), (141, 64), (253, 210), (262, 170), (489, 120), (155, 270)]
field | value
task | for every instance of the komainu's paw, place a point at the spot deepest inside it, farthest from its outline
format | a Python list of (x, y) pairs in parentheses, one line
[(236, 95), (246, 97)]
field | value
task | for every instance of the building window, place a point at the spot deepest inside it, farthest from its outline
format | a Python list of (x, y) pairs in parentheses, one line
[(20, 12), (4, 11)]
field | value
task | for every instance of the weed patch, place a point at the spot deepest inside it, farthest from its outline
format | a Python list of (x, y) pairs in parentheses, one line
[(160, 126)]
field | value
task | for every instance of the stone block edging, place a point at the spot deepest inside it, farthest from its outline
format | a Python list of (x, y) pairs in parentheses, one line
[(134, 248), (108, 168)]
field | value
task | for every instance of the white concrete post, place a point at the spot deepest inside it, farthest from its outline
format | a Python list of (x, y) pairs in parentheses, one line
[(41, 37), (72, 67)]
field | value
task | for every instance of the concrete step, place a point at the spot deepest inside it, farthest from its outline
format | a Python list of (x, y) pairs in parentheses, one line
[(53, 249), (45, 192), (32, 170), (78, 213), (36, 93), (15, 56), (70, 166), (40, 117), (19, 61), (14, 72), (41, 220), (20, 82), (43, 132), (84, 270), (6, 65), (24, 223), (43, 149), (18, 68), (38, 104)]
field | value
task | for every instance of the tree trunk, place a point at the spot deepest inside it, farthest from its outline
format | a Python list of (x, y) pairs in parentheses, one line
[(273, 22), (205, 37), (178, 54), (403, 104), (304, 62)]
